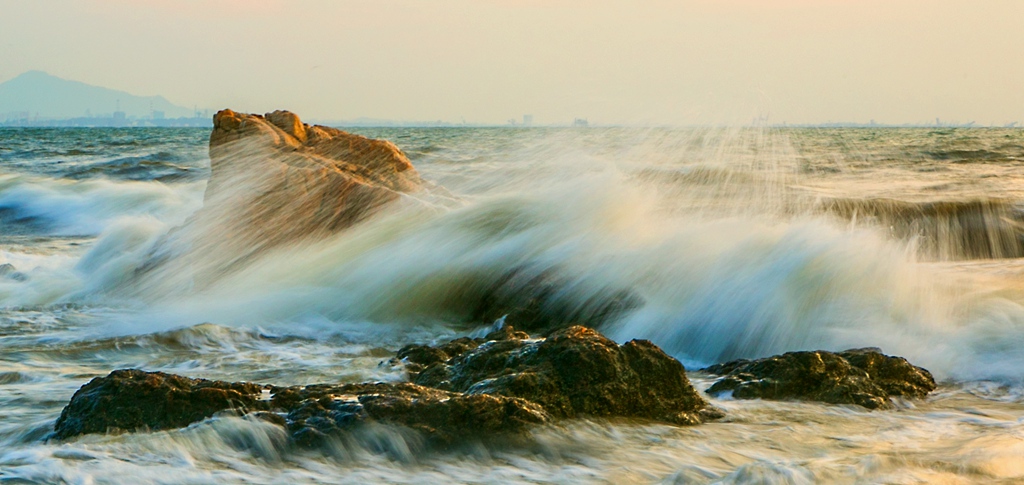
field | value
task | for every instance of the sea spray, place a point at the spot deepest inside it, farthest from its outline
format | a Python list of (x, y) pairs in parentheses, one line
[(334, 308), (715, 262)]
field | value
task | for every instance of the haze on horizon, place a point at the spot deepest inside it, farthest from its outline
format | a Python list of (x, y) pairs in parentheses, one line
[(486, 61)]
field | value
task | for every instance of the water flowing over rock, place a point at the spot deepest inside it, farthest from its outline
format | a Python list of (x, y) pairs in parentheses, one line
[(297, 179), (858, 376), (542, 300), (135, 400), (985, 228), (276, 180), (573, 372), (496, 386), (317, 413)]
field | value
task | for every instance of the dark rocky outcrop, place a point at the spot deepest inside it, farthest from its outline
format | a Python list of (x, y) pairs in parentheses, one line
[(316, 413), (483, 388), (859, 376), (134, 400), (130, 400), (573, 372)]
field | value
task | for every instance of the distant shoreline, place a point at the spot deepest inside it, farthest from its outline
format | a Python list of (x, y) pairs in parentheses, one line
[(207, 123)]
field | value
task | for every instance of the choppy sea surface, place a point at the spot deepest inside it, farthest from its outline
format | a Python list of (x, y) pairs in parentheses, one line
[(739, 242)]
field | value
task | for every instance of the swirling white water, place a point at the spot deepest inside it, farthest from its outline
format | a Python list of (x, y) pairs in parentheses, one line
[(718, 232)]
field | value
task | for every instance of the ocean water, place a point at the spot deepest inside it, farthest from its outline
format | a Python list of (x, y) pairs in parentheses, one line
[(737, 242)]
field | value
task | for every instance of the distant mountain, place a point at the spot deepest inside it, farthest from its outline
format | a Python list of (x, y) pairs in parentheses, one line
[(40, 95)]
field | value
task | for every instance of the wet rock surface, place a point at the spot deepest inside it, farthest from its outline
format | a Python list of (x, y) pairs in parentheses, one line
[(469, 388), (135, 400), (573, 372), (132, 400), (318, 413), (865, 377)]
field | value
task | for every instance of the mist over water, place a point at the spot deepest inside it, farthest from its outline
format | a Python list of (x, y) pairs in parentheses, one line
[(734, 243)]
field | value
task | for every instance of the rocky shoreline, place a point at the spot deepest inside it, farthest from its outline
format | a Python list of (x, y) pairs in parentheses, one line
[(493, 388), (276, 180), (499, 384)]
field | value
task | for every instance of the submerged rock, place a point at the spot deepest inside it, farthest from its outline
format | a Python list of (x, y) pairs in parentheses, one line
[(573, 372), (541, 301), (858, 376), (8, 271)]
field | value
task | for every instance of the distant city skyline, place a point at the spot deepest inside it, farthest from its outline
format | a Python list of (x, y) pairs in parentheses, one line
[(492, 61)]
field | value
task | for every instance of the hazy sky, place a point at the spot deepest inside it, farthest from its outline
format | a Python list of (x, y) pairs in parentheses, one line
[(490, 60)]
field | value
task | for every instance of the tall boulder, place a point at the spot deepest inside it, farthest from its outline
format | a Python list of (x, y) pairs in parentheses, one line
[(275, 180)]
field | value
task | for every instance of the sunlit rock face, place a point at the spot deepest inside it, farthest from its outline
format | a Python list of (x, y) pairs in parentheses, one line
[(316, 159), (275, 179)]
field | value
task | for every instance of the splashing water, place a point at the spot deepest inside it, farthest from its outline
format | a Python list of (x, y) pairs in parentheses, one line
[(729, 242)]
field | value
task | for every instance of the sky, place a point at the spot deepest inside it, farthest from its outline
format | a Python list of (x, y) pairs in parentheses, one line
[(487, 61)]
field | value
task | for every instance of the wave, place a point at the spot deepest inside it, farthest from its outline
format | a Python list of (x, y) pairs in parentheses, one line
[(599, 250), (973, 156), (942, 230), (61, 207), (160, 166), (555, 246)]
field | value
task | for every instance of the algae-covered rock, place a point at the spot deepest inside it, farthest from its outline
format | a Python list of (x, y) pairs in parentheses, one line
[(469, 388), (132, 400), (317, 413), (575, 372), (865, 377)]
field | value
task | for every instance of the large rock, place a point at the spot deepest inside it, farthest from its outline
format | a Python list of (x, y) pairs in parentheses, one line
[(573, 372), (317, 413), (277, 180), (130, 400), (859, 376), (134, 400), (485, 388)]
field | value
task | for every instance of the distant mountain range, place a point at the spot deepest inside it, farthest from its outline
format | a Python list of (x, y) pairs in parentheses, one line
[(36, 97)]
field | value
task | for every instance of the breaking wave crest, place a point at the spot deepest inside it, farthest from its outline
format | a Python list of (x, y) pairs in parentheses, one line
[(599, 246)]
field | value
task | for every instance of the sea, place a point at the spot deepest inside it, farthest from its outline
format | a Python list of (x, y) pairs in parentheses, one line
[(736, 242)]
